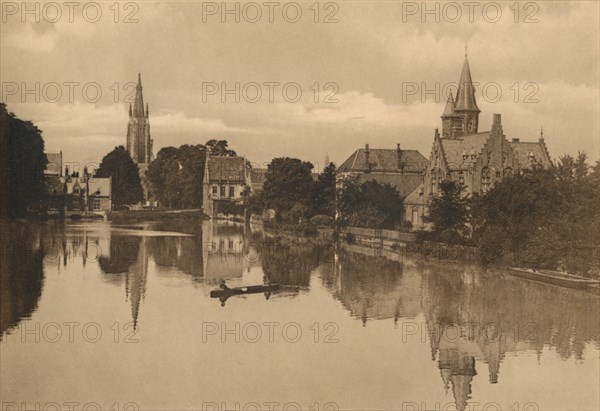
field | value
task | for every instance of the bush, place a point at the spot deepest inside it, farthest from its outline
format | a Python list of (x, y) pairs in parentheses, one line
[(321, 219)]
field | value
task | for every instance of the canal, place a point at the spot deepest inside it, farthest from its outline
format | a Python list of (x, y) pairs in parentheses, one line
[(119, 316)]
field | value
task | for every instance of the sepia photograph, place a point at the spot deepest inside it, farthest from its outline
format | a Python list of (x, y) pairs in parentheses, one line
[(312, 205)]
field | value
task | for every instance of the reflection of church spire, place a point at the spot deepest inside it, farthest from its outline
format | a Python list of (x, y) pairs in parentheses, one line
[(136, 286), (459, 369)]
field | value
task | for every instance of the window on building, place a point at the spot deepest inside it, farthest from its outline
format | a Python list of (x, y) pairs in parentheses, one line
[(222, 191), (415, 216), (461, 177), (485, 180), (97, 204), (214, 190), (230, 244), (231, 191)]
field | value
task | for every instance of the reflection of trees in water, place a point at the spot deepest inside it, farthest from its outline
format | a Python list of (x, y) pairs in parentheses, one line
[(123, 252), (369, 287), (21, 275), (185, 253), (289, 261), (491, 313)]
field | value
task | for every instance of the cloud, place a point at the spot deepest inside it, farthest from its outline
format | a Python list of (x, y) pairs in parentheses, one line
[(28, 39)]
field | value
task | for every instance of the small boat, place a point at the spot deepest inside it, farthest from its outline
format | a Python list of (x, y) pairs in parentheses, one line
[(554, 277), (251, 289)]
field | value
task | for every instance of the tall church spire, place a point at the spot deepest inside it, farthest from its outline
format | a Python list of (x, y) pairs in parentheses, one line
[(138, 105), (139, 142)]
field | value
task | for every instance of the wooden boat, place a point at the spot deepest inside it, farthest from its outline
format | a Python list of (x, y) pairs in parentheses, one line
[(554, 277), (251, 289)]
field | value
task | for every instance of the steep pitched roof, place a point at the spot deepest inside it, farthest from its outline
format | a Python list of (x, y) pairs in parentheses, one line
[(465, 97), (536, 150), (449, 110), (416, 196), (54, 165), (384, 160), (230, 169), (100, 186), (453, 149)]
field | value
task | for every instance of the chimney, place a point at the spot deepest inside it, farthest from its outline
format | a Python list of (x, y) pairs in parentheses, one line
[(399, 156), (437, 133), (367, 155), (497, 124)]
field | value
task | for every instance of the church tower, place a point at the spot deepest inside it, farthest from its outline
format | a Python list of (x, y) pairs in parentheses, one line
[(139, 143), (466, 106)]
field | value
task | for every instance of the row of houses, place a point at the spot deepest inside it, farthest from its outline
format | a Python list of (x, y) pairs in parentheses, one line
[(460, 153), (74, 193)]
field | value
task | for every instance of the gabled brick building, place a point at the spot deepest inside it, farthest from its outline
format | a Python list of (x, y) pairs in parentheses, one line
[(463, 154)]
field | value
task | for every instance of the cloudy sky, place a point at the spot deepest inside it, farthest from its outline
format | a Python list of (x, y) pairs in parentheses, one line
[(369, 72)]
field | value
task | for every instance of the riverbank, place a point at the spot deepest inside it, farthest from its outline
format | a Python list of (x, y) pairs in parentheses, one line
[(155, 215)]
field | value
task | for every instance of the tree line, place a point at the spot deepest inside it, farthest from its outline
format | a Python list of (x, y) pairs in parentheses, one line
[(544, 217)]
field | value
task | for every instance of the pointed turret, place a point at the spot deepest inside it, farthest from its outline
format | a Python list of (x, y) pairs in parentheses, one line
[(138, 105), (451, 121), (449, 110), (465, 97)]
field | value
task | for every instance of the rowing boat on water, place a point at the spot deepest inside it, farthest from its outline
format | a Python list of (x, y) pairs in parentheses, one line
[(554, 277), (251, 289)]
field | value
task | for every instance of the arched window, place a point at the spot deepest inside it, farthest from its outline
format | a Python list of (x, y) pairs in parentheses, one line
[(461, 178)]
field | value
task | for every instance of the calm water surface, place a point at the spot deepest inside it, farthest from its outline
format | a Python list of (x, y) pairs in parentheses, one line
[(120, 316)]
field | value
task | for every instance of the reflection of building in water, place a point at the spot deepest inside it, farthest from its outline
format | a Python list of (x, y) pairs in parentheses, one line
[(224, 251), (372, 287), (135, 281), (457, 370), (480, 316), (127, 260)]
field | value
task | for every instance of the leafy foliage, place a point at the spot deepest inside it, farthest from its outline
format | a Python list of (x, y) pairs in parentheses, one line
[(220, 148), (289, 184), (126, 183), (177, 174), (544, 217), (22, 163), (325, 191), (369, 204), (449, 213)]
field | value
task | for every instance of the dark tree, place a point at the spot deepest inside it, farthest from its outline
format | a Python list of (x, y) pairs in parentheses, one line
[(369, 204), (288, 182), (220, 148), (22, 164), (162, 175), (449, 213), (126, 183), (325, 191), (177, 174)]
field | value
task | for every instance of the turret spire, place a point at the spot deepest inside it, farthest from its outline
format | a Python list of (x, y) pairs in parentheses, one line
[(465, 97), (449, 111)]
